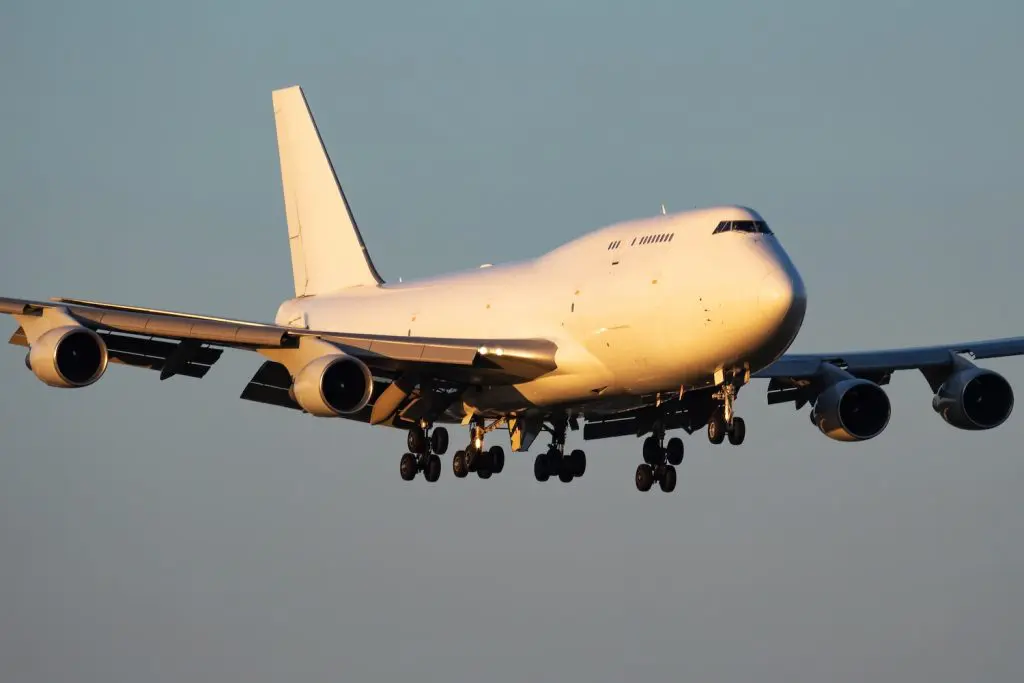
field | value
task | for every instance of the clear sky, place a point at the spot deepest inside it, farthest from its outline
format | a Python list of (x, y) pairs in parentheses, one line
[(170, 532)]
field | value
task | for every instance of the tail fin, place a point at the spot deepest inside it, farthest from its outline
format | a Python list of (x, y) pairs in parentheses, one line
[(328, 252)]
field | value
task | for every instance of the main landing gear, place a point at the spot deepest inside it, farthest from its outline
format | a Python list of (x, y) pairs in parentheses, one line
[(425, 447), (475, 458), (555, 463), (660, 461), (723, 423)]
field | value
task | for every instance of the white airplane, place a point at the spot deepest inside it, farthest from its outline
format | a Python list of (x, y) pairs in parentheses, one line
[(634, 329)]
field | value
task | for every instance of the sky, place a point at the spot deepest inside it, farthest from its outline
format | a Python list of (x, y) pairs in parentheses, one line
[(167, 531)]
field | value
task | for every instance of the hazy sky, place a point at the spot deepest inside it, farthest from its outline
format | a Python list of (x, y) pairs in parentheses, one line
[(170, 532)]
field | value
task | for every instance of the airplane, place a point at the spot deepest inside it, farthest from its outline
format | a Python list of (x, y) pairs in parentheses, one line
[(633, 329)]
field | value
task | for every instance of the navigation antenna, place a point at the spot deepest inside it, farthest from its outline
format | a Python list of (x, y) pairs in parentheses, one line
[(663, 209)]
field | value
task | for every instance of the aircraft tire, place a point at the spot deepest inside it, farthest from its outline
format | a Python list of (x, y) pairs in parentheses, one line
[(668, 479), (644, 477), (416, 441), (460, 468), (716, 428), (674, 451), (738, 431), (439, 440), (407, 467), (540, 467), (654, 454), (578, 459), (432, 471), (497, 459)]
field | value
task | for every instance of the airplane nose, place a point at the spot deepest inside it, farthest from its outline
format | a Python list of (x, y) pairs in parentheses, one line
[(781, 294)]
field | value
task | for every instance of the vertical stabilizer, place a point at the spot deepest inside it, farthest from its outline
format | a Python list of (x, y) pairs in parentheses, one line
[(328, 252)]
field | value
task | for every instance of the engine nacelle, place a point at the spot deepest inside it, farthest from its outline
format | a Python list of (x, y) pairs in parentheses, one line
[(68, 357), (974, 399), (332, 385), (852, 410)]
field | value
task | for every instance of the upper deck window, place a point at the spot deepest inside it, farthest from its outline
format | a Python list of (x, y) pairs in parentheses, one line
[(743, 226)]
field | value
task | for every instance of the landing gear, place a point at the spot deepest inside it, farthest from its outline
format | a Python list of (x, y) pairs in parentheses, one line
[(722, 422), (555, 463), (474, 458), (659, 462), (423, 453)]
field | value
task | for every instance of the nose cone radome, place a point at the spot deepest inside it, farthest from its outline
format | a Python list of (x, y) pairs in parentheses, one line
[(781, 297)]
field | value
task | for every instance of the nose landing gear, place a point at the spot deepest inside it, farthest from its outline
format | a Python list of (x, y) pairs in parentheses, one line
[(723, 423)]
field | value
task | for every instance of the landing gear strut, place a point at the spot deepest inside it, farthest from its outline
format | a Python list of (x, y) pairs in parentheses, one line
[(424, 448), (554, 462), (474, 458), (660, 460), (723, 422)]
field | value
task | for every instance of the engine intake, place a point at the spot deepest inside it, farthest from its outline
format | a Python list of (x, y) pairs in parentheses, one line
[(68, 357), (852, 410), (974, 399), (332, 385)]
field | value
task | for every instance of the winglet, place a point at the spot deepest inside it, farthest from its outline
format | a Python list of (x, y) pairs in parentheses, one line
[(328, 253)]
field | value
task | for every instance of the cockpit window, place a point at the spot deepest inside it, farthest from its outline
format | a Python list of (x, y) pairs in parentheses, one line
[(743, 226)]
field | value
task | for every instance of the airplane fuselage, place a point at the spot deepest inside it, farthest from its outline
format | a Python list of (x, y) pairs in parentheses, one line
[(657, 304)]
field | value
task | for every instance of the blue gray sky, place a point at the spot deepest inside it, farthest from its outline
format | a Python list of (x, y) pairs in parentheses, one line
[(168, 531)]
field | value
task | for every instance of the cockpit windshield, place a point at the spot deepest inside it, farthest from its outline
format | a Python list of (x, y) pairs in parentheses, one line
[(743, 226)]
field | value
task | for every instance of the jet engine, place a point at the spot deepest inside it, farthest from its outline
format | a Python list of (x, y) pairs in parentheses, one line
[(332, 385), (851, 410), (974, 399), (68, 357)]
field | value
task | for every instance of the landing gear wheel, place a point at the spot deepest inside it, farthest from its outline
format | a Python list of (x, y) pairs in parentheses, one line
[(417, 441), (674, 451), (668, 479), (432, 470), (578, 460), (716, 428), (439, 440), (407, 467), (653, 452), (565, 471), (738, 431), (540, 467), (644, 477), (553, 462), (459, 465), (483, 473), (497, 459)]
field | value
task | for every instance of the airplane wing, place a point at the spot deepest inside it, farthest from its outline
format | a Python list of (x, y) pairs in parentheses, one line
[(793, 376), (186, 344)]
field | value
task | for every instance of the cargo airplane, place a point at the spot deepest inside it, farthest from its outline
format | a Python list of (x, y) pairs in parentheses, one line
[(630, 330)]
